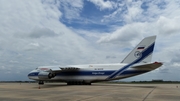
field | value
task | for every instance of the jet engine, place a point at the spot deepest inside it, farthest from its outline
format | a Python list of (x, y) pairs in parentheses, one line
[(46, 75)]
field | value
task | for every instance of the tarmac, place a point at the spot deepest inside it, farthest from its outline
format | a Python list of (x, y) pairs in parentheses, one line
[(94, 92)]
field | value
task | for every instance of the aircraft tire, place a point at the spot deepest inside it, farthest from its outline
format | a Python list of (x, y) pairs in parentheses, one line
[(41, 83), (78, 83)]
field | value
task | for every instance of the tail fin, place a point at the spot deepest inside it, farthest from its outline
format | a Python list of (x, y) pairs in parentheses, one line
[(147, 45)]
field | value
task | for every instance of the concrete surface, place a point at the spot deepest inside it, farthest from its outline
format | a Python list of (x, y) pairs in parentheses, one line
[(94, 92)]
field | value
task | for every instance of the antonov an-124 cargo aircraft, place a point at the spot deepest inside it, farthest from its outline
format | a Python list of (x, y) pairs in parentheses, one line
[(138, 61)]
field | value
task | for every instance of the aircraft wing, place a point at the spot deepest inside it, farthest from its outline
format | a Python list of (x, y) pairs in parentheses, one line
[(69, 68), (58, 69), (148, 66)]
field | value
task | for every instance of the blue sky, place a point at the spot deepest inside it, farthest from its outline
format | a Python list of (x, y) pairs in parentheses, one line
[(62, 32), (89, 18), (101, 18)]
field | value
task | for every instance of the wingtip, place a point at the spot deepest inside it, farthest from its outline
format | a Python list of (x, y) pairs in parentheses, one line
[(158, 63), (154, 36)]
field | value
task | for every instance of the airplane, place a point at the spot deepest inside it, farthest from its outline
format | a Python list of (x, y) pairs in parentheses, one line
[(137, 62)]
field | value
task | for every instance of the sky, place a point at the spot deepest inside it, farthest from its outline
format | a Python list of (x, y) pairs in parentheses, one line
[(62, 32)]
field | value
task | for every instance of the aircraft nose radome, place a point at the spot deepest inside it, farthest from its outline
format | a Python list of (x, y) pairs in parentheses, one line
[(29, 75), (33, 74)]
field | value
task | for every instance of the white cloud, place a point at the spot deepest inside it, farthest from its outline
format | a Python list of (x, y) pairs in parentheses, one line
[(142, 11), (71, 8), (133, 11), (42, 32), (32, 29), (32, 35), (126, 34), (163, 22), (168, 25), (104, 4)]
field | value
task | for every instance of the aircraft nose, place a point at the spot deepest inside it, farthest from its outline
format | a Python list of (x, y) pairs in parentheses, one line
[(29, 75), (33, 74)]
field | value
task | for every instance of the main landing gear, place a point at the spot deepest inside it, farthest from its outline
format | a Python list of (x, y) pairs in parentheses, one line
[(41, 82), (78, 83)]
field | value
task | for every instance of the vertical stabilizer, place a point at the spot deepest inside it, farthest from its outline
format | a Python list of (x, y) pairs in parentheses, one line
[(139, 49)]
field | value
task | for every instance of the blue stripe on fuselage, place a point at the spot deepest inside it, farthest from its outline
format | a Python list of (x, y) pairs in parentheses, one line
[(98, 73), (33, 74), (145, 53), (92, 73)]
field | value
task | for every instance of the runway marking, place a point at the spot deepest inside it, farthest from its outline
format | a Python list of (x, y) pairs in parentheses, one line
[(149, 94)]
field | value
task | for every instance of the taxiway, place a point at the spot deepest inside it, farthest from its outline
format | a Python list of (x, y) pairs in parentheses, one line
[(94, 92)]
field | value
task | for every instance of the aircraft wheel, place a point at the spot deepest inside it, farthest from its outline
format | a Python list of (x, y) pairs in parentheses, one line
[(41, 82), (69, 83)]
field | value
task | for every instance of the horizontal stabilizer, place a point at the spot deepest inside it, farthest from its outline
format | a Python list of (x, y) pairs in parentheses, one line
[(148, 66)]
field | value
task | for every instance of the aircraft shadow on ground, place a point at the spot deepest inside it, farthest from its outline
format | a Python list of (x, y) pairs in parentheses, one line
[(50, 86)]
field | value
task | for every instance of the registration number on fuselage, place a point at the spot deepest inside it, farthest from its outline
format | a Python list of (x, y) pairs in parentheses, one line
[(98, 71), (98, 68)]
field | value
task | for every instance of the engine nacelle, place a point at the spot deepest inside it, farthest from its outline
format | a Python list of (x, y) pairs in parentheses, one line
[(46, 75)]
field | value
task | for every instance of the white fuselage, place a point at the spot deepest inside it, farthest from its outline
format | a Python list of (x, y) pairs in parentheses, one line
[(89, 73), (135, 63)]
